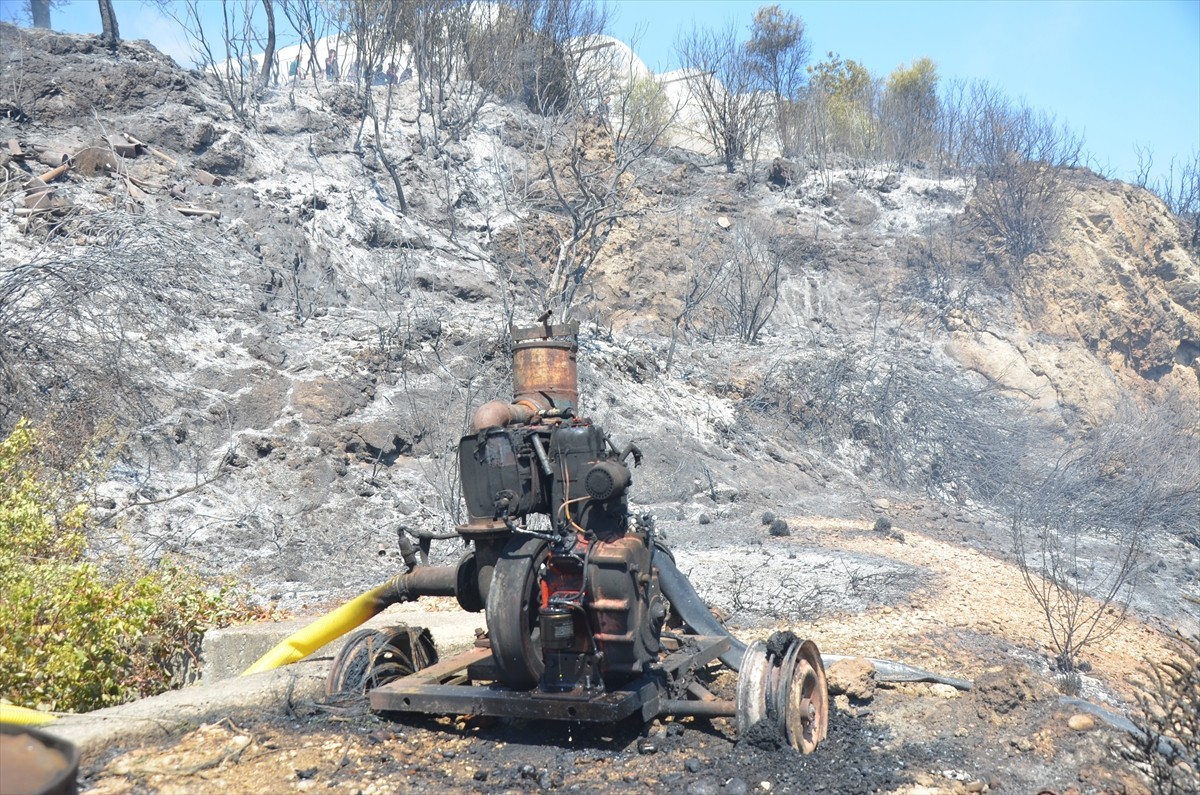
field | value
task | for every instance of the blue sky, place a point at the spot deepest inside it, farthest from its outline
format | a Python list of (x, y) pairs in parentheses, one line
[(1122, 73)]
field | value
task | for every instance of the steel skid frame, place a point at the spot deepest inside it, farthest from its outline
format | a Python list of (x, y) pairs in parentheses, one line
[(466, 685)]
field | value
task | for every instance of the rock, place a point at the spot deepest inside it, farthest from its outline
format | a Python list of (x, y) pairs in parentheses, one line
[(380, 442), (783, 173), (854, 678), (724, 222), (260, 405), (779, 527), (692, 765), (1003, 688), (942, 690), (472, 286), (859, 210), (1081, 722), (702, 787), (269, 351), (735, 786), (224, 157), (323, 399)]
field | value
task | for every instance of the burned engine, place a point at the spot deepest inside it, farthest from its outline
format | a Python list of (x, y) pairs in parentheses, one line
[(576, 591), (545, 491)]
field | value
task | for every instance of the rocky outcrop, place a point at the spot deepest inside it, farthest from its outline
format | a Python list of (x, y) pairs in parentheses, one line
[(1113, 304), (1121, 282)]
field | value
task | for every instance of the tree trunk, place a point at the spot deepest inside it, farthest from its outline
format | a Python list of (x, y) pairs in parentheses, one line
[(269, 52), (108, 19), (382, 155), (40, 11)]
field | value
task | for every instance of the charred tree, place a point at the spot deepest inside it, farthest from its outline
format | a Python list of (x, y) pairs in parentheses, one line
[(111, 35), (269, 50), (39, 11)]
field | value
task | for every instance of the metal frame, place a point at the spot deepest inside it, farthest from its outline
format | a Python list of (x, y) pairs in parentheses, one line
[(457, 687)]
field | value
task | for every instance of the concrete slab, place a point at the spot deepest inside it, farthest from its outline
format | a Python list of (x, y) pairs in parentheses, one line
[(223, 692), (225, 653), (159, 717)]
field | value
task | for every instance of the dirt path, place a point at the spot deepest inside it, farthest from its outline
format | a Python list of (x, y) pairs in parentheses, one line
[(972, 608), (970, 616)]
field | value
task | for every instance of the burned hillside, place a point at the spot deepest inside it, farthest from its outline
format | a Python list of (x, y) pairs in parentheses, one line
[(272, 321)]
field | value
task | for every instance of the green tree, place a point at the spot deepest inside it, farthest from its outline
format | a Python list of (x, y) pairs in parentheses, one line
[(847, 91), (909, 111), (778, 52)]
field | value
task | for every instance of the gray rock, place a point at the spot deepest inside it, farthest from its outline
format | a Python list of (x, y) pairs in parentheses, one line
[(324, 399)]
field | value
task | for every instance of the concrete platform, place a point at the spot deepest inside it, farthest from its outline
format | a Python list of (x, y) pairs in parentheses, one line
[(223, 692)]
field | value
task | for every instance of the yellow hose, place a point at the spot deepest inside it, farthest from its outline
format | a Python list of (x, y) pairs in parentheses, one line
[(328, 627), (23, 716)]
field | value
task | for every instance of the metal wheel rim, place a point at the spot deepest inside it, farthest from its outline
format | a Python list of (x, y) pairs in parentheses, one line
[(812, 656), (781, 684), (803, 718), (752, 687)]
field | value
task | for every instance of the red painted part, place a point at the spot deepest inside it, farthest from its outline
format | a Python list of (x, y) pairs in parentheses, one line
[(612, 609)]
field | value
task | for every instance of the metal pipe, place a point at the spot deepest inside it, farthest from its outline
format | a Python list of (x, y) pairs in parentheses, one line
[(497, 414), (699, 709), (691, 608), (430, 581)]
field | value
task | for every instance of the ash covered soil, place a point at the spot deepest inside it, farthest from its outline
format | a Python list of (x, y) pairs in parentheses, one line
[(967, 616), (323, 749)]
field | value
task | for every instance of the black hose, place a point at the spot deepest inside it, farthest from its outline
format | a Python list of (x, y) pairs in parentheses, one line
[(890, 671), (1169, 747), (691, 608)]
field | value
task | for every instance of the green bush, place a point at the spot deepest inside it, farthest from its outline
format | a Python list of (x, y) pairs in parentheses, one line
[(79, 632)]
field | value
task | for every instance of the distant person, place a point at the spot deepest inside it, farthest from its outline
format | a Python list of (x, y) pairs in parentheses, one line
[(294, 69), (391, 74)]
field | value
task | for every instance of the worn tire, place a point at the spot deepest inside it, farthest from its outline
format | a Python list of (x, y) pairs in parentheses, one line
[(512, 613)]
